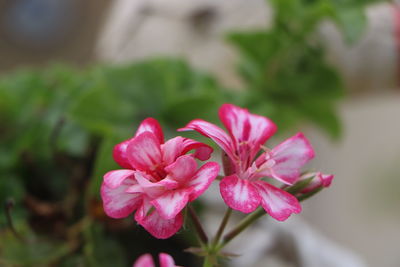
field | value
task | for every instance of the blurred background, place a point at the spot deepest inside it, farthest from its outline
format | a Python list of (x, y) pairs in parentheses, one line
[(76, 77)]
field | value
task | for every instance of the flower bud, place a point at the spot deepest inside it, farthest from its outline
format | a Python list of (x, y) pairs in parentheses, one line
[(320, 180)]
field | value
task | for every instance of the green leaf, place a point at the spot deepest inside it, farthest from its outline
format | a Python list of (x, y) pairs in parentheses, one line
[(11, 188), (186, 109), (352, 22), (284, 68), (255, 45), (100, 111), (33, 251), (104, 163), (102, 250), (72, 139), (323, 114)]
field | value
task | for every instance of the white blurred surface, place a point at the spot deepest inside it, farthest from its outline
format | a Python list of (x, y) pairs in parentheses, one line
[(362, 207)]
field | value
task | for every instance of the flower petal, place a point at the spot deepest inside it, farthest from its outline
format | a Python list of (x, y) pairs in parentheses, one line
[(116, 202), (182, 169), (289, 157), (245, 127), (143, 209), (144, 261), (148, 125), (239, 194), (178, 146), (277, 202), (169, 183), (144, 152), (151, 189), (212, 131), (170, 204), (155, 224), (151, 125), (166, 260), (113, 179), (326, 179), (172, 149), (120, 156), (202, 179), (202, 151)]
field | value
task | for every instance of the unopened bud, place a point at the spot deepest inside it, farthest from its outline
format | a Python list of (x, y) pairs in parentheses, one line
[(319, 181)]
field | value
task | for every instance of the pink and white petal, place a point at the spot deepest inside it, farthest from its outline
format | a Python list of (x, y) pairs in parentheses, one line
[(115, 178), (117, 203), (261, 167), (172, 149), (143, 209), (169, 183), (212, 131), (151, 125), (171, 203), (144, 261), (178, 146), (144, 152), (120, 156), (136, 188), (202, 151), (149, 188), (182, 169), (239, 194), (261, 130), (289, 157), (157, 226), (246, 127), (262, 158), (326, 179), (202, 179), (166, 260), (278, 203)]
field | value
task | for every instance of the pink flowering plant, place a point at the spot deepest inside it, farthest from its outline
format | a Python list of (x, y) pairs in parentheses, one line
[(160, 179)]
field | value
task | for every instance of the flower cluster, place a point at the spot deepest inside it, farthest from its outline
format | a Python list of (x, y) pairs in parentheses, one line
[(244, 189), (161, 177), (158, 180)]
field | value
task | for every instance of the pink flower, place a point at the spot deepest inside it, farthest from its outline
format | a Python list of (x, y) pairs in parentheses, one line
[(320, 180), (147, 261), (159, 179), (244, 189)]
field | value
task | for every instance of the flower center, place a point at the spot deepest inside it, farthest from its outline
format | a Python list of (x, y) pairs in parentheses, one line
[(158, 173)]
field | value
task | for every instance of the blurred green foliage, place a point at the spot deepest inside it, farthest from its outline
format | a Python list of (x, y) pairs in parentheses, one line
[(58, 127), (38, 251), (284, 69)]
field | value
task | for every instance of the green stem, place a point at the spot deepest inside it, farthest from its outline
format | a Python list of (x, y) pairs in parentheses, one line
[(222, 226), (248, 220), (241, 226), (208, 262), (197, 226)]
